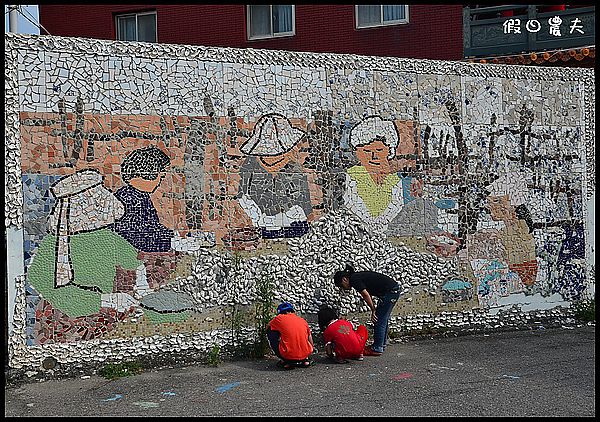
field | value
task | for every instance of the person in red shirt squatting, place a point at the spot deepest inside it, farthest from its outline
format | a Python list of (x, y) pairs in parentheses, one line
[(290, 338), (342, 342)]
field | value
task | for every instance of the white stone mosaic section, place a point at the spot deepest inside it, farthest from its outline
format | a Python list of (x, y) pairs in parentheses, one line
[(303, 277), (396, 95), (249, 89), (211, 92), (13, 203), (482, 101), (301, 91), (353, 92), (184, 87), (137, 85), (561, 105), (32, 81), (70, 77)]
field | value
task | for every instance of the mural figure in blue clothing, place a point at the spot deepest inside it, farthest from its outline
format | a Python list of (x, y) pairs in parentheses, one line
[(570, 282), (142, 171)]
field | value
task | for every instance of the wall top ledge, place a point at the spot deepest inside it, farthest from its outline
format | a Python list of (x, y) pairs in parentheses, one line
[(290, 58)]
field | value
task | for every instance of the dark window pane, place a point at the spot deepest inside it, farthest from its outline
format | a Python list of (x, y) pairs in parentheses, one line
[(126, 28), (260, 21), (393, 13), (147, 28), (282, 19), (369, 15)]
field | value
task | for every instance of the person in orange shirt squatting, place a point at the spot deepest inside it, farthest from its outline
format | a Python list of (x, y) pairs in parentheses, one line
[(342, 342), (290, 338)]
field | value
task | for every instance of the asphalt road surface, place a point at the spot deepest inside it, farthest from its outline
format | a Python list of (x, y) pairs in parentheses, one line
[(521, 373)]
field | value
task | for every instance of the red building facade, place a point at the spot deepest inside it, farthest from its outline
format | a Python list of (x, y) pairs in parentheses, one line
[(432, 31)]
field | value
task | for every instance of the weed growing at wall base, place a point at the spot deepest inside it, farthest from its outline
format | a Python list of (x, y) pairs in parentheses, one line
[(118, 370), (263, 314), (585, 310), (259, 318), (214, 356)]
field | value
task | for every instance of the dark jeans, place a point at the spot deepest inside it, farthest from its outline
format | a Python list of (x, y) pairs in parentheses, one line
[(274, 337), (383, 312)]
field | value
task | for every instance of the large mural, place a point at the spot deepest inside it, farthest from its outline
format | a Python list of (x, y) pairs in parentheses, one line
[(146, 171)]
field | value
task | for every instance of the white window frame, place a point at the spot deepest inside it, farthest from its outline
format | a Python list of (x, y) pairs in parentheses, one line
[(136, 14), (383, 23), (279, 34)]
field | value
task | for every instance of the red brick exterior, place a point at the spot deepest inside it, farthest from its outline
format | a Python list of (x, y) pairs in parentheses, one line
[(433, 31)]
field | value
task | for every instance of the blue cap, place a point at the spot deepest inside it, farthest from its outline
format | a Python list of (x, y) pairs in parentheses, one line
[(285, 307)]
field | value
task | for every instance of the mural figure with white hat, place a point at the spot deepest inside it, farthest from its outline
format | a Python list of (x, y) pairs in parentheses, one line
[(274, 189), (75, 266), (373, 190), (504, 259)]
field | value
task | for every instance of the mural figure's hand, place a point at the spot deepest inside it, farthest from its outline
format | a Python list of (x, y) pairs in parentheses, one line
[(270, 222), (192, 243), (296, 213)]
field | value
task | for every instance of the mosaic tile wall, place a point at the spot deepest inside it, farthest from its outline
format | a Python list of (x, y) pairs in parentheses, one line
[(155, 184)]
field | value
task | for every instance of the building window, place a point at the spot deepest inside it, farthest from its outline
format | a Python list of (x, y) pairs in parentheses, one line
[(137, 27), (269, 21), (379, 15)]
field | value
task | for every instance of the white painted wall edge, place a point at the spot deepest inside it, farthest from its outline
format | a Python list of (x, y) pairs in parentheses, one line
[(14, 267)]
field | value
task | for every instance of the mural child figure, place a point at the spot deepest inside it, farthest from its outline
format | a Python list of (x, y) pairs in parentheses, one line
[(75, 266), (290, 338), (506, 203), (159, 247), (274, 189), (369, 284), (342, 341), (373, 191), (504, 259)]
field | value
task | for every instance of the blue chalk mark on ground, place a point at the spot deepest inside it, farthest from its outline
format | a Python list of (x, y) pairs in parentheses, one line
[(169, 393), (227, 387), (115, 398)]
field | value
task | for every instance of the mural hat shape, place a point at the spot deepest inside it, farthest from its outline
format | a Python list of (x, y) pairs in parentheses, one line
[(83, 204), (273, 135), (90, 205)]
